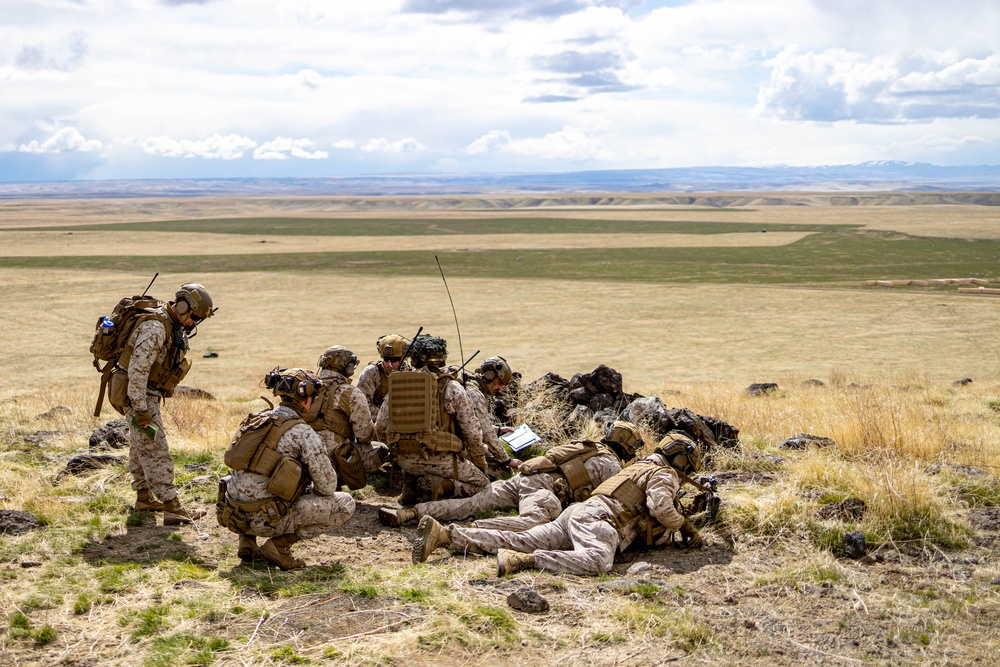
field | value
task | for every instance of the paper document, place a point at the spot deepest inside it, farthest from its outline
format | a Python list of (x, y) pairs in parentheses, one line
[(520, 438)]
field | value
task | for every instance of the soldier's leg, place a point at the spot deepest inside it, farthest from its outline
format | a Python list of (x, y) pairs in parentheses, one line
[(546, 536), (373, 455), (594, 542), (501, 493), (313, 515), (153, 455), (471, 480), (536, 505)]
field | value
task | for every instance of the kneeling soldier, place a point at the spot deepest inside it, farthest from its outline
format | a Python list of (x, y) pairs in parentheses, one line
[(640, 500), (273, 457)]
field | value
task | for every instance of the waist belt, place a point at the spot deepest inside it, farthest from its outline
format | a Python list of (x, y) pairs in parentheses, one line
[(274, 508)]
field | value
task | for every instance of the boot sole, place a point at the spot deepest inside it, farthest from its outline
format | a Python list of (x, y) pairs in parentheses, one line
[(420, 553)]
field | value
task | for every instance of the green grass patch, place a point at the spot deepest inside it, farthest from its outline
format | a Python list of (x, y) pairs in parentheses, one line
[(286, 655), (185, 648), (45, 635), (120, 578)]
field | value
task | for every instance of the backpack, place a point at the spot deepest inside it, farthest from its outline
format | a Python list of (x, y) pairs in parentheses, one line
[(112, 333), (417, 413), (254, 449)]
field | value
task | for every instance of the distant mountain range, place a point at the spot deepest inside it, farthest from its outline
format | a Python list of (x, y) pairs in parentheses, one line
[(866, 177)]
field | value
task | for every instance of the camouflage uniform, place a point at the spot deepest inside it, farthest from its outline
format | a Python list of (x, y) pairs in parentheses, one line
[(533, 495), (373, 455), (311, 514), (149, 459), (481, 405), (372, 383), (471, 478), (584, 538)]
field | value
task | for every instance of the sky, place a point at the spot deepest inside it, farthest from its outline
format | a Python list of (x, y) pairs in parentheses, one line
[(111, 89)]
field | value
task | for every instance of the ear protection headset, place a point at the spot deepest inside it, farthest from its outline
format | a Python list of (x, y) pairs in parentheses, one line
[(494, 369), (292, 382)]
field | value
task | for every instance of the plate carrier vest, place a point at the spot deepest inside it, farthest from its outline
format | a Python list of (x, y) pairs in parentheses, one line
[(567, 461), (335, 416), (629, 488), (417, 416)]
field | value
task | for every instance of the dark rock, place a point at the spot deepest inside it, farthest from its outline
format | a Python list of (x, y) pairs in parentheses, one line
[(805, 440), (609, 414), (848, 509), (528, 600), (962, 382), (682, 419), (987, 518), (580, 396), (601, 401), (502, 411), (192, 392), (85, 462), (575, 382), (762, 388), (813, 383), (726, 435), (549, 384), (113, 435), (16, 522), (853, 544), (603, 380), (55, 413), (30, 563), (210, 355)]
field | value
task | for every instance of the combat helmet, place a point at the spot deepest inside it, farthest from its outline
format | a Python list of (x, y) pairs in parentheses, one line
[(338, 358), (292, 383), (495, 368), (624, 437), (680, 452), (429, 351), (391, 346), (194, 298)]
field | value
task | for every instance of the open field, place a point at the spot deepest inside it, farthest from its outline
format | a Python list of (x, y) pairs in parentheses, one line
[(687, 303)]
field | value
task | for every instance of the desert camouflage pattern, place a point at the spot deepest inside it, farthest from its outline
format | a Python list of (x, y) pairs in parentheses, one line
[(369, 382), (313, 513), (495, 450), (531, 494), (583, 539), (470, 481), (373, 455), (149, 459)]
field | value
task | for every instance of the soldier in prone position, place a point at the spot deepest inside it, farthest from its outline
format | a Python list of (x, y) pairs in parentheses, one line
[(638, 501), (154, 360), (428, 422), (543, 486), (274, 455), (344, 416)]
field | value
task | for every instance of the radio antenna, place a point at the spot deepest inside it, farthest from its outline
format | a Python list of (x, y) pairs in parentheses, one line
[(457, 330)]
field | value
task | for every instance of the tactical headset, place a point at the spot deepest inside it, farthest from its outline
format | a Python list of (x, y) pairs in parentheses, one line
[(193, 297), (680, 453)]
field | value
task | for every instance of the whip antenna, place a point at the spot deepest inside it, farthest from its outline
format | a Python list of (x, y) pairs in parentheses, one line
[(459, 331), (150, 283)]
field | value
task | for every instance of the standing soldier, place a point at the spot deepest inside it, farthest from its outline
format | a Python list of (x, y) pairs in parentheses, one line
[(640, 500), (372, 381), (428, 422), (154, 359), (491, 377), (344, 417), (542, 487), (274, 456)]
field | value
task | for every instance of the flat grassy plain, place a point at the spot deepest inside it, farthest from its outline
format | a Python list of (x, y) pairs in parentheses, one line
[(689, 303)]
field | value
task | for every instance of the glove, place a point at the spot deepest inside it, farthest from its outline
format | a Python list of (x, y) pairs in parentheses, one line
[(143, 419), (690, 534)]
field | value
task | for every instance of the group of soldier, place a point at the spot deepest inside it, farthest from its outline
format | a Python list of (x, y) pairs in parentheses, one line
[(578, 503)]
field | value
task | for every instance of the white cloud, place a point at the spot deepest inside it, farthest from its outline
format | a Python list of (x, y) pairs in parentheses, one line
[(217, 146), (65, 140), (343, 144), (383, 145), (569, 143), (281, 148), (488, 142)]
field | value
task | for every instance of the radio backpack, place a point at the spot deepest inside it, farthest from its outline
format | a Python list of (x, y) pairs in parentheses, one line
[(112, 334)]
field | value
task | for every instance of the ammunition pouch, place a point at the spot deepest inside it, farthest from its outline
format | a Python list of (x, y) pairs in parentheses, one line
[(173, 377), (236, 516), (118, 391), (288, 480)]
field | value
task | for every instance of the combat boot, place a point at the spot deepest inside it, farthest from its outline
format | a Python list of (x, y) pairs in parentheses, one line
[(409, 496), (174, 513), (144, 502), (430, 536), (388, 516), (248, 550), (278, 550), (509, 562)]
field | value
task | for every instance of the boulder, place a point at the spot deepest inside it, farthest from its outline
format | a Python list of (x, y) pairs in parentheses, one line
[(55, 413), (528, 600), (805, 440), (762, 388), (113, 435), (603, 380), (192, 392), (600, 402), (853, 544), (579, 396), (16, 522), (642, 408), (85, 462)]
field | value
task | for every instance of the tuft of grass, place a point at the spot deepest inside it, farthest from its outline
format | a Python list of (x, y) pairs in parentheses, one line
[(185, 648), (45, 635), (286, 655)]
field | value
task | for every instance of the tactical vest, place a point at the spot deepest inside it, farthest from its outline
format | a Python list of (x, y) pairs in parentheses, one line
[(335, 416), (165, 376), (567, 461), (417, 415), (254, 449), (383, 386), (629, 488)]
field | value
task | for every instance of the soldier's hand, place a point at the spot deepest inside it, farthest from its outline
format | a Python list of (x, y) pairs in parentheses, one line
[(143, 418), (515, 463), (691, 537)]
